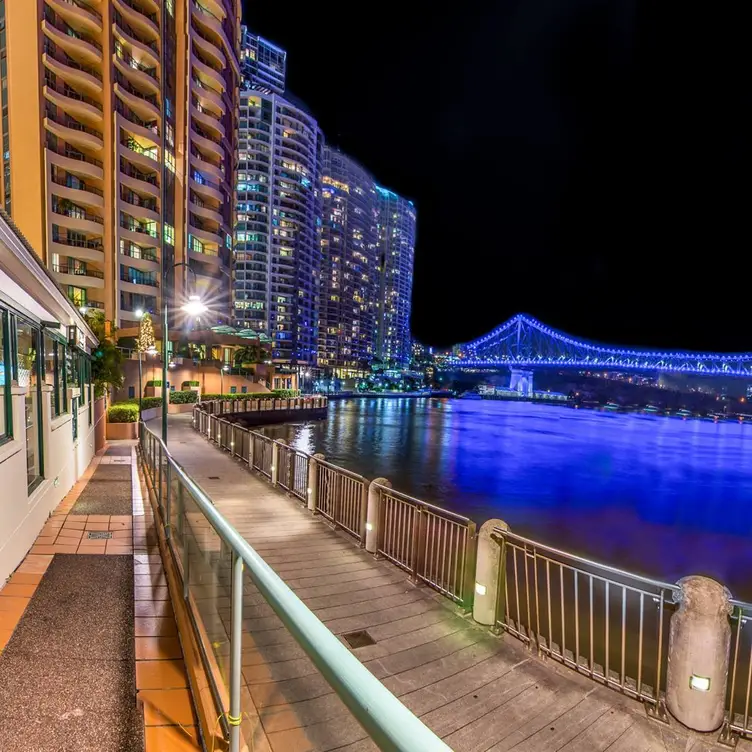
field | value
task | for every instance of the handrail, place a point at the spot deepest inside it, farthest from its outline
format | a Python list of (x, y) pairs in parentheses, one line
[(388, 722), (425, 504)]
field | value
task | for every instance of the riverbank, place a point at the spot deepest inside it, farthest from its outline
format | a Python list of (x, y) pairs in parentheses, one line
[(391, 395)]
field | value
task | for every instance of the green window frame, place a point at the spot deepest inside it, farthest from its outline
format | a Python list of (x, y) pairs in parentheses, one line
[(6, 373)]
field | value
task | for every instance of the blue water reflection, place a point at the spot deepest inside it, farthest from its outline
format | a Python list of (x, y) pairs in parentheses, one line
[(661, 496)]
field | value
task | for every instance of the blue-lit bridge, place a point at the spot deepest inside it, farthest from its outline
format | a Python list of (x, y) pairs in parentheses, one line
[(523, 342)]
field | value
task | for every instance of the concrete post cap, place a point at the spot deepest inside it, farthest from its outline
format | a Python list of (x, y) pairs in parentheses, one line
[(319, 456), (488, 527), (703, 595), (381, 482)]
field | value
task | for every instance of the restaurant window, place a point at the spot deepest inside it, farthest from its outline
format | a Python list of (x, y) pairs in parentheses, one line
[(27, 373), (6, 423)]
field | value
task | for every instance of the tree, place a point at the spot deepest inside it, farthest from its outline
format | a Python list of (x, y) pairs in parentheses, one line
[(106, 360), (145, 342), (253, 353)]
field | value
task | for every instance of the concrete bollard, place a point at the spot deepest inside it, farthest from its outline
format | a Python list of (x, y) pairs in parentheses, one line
[(488, 571), (275, 460), (373, 515), (698, 654), (313, 482)]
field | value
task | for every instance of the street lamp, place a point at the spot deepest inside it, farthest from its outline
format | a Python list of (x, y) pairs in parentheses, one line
[(193, 307), (222, 372)]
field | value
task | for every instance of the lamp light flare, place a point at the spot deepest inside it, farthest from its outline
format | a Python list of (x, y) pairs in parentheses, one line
[(194, 307)]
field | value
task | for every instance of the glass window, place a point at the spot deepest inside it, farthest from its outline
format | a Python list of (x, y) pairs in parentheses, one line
[(71, 366), (61, 394), (5, 420), (27, 357)]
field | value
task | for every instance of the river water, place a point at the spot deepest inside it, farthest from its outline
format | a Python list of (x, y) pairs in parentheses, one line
[(659, 496)]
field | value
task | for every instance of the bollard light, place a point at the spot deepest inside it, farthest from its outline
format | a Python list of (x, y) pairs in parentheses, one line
[(480, 589), (369, 527), (700, 683)]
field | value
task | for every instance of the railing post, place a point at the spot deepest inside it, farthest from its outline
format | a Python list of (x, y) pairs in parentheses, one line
[(159, 482), (418, 548), (489, 574), (236, 656), (291, 471), (373, 514), (275, 460), (313, 482), (233, 433), (251, 446), (468, 581), (698, 654), (363, 513), (168, 504)]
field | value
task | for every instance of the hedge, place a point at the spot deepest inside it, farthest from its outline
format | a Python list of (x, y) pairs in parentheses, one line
[(190, 383), (154, 382), (123, 412), (183, 398), (146, 402), (279, 394)]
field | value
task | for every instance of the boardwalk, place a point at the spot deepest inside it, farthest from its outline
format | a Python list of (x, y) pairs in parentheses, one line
[(477, 691)]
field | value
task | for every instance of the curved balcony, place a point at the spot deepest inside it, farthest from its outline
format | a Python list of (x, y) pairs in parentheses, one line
[(141, 75), (141, 20), (138, 181), (143, 209), (145, 259), (142, 285), (143, 108), (200, 209), (209, 77), (75, 218), (205, 187), (68, 39), (74, 161), (204, 166), (206, 145), (144, 133), (208, 98), (78, 14), (204, 257), (132, 230), (76, 192), (209, 48), (57, 62), (147, 54), (69, 129), (208, 122), (78, 105), (86, 250), (78, 276), (132, 151)]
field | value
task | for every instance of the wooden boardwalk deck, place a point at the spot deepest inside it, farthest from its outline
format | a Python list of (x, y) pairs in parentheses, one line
[(477, 691)]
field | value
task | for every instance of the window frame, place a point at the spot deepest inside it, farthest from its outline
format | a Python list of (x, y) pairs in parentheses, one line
[(7, 435)]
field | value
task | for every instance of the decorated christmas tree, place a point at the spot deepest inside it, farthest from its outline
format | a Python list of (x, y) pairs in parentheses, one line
[(145, 340)]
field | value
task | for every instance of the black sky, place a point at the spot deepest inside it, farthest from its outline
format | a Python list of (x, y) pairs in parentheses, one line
[(585, 161)]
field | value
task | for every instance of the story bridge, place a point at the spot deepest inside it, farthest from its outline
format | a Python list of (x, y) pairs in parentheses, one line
[(523, 343)]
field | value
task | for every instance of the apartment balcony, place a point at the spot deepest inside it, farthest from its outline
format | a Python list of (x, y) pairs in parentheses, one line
[(207, 146), (67, 158), (143, 106), (206, 211), (211, 24), (209, 47), (78, 14), (208, 122), (143, 209), (206, 167), (70, 70), (209, 76), (72, 42), (74, 217), (133, 152), (86, 250), (207, 97), (144, 76), (72, 189), (133, 231), (140, 284), (71, 130), (144, 259), (78, 105), (141, 20), (146, 52), (144, 134), (206, 188), (78, 276), (209, 238), (135, 179)]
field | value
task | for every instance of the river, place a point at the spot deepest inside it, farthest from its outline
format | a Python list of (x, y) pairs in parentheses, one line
[(659, 496)]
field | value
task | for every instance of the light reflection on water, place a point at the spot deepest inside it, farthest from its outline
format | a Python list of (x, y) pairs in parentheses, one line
[(661, 496)]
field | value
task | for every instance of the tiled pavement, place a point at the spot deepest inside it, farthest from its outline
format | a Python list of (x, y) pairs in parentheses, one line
[(161, 681)]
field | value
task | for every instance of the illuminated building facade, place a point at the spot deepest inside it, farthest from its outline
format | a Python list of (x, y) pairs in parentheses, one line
[(119, 143), (277, 254), (349, 275), (396, 237), (263, 64)]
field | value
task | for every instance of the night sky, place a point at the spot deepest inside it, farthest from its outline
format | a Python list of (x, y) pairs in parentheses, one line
[(587, 162)]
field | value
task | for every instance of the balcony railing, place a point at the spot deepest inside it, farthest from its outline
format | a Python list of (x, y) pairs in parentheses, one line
[(201, 180), (62, 57), (128, 114), (79, 271), (90, 304), (54, 20), (132, 198), (133, 226), (67, 121), (128, 29), (153, 17), (131, 62), (132, 172), (50, 80), (201, 85), (84, 7), (139, 253), (95, 245), (71, 153), (133, 145), (76, 212), (71, 181), (137, 279), (131, 89)]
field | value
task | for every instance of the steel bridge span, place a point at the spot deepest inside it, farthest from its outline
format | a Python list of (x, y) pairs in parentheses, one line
[(525, 342)]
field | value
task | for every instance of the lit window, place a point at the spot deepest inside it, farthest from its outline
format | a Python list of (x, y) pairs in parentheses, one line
[(170, 161), (169, 234)]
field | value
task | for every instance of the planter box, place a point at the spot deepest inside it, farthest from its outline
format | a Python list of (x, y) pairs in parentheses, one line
[(117, 431), (185, 408), (153, 391)]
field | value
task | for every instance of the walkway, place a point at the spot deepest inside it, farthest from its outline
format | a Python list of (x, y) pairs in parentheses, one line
[(89, 655), (477, 691)]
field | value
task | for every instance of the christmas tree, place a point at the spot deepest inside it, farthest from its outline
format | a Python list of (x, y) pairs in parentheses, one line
[(145, 341)]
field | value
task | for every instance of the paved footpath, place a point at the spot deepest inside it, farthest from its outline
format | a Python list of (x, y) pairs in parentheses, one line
[(477, 691)]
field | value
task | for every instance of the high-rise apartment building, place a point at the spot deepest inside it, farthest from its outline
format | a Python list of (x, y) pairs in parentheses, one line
[(119, 141), (277, 256), (397, 225), (262, 63), (350, 277)]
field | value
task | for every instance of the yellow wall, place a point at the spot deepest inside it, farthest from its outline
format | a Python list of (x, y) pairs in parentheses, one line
[(24, 121)]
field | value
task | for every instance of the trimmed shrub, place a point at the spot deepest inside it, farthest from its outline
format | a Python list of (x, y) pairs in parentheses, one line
[(154, 382), (190, 383), (183, 398), (123, 412), (148, 402), (286, 393)]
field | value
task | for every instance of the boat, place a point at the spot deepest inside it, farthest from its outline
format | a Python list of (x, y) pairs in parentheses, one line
[(470, 396)]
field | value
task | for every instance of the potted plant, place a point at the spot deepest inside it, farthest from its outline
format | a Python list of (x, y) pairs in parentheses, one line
[(122, 421), (153, 388)]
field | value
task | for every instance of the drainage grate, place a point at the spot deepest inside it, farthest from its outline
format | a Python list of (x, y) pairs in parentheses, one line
[(213, 477), (99, 535), (359, 639)]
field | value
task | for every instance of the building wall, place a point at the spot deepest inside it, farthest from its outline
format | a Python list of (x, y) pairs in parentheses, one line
[(122, 145)]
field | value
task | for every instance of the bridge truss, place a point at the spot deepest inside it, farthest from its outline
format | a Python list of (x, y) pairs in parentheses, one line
[(526, 342)]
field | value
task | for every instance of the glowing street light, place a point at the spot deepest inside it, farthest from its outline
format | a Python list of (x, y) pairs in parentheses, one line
[(195, 306)]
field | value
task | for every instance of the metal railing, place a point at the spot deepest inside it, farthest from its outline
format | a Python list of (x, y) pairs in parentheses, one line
[(210, 558), (435, 545), (739, 698), (603, 622)]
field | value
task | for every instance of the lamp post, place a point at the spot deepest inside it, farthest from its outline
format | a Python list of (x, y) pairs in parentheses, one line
[(222, 370), (193, 307), (139, 316)]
